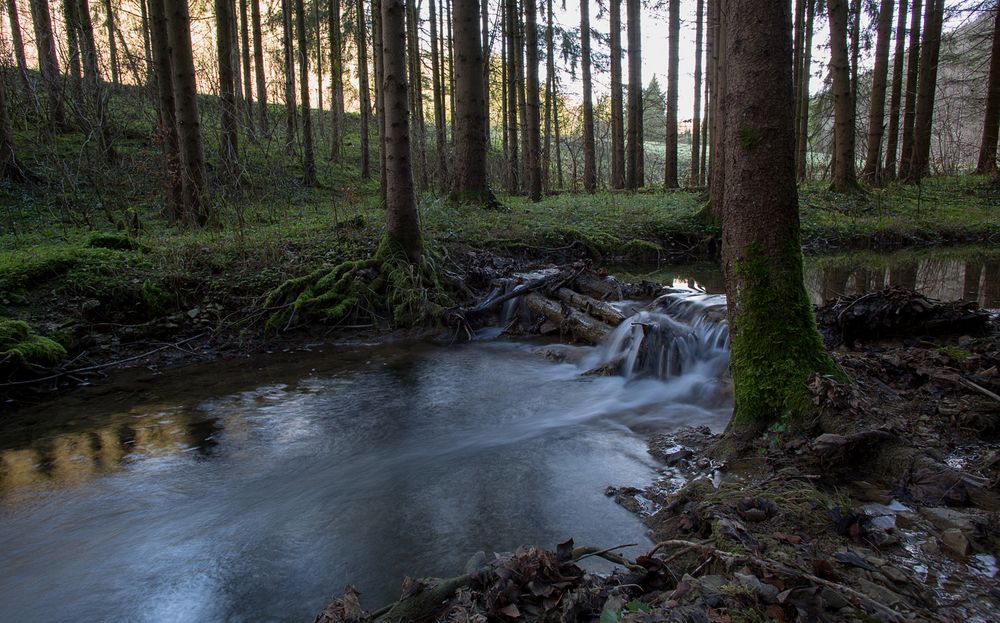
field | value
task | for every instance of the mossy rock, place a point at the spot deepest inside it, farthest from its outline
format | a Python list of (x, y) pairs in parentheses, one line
[(111, 240), (20, 346)]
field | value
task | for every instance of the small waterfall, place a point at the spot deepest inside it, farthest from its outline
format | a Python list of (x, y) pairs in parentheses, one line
[(684, 332)]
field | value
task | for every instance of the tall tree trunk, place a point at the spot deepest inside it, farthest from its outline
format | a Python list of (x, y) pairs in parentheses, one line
[(451, 64), (617, 104), (522, 98), (414, 62), (798, 52), (247, 66), (308, 156), (378, 45), (48, 63), (287, 46), (513, 162), (910, 100), (855, 38), (185, 88), (926, 88), (761, 255), (633, 160), (94, 84), (403, 223), (71, 18), (880, 76), (18, 43), (555, 122), (802, 112), (532, 101), (589, 157), (673, 62), (991, 122), (229, 137), (695, 179), (319, 66), (844, 175), (703, 168), (440, 132), (892, 140), (146, 44), (485, 47), (550, 71), (167, 130), (470, 181), (258, 65), (364, 97), (719, 148), (109, 24), (9, 167), (336, 80)]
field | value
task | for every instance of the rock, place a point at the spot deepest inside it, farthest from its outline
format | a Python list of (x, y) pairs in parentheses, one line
[(766, 592), (880, 593), (894, 574), (956, 542), (832, 599), (948, 519)]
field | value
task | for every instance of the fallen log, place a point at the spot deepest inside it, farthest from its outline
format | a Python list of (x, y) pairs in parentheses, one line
[(606, 289), (581, 325), (598, 309)]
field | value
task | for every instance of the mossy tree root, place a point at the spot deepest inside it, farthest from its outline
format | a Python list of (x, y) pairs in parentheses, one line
[(386, 287)]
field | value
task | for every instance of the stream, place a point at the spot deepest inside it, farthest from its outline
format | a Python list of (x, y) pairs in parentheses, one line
[(255, 489)]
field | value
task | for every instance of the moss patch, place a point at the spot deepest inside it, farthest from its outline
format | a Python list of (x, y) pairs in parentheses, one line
[(20, 346)]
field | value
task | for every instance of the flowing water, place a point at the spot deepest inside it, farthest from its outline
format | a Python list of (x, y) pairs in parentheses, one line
[(253, 490)]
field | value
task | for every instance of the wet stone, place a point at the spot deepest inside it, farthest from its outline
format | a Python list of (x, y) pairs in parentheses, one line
[(956, 542)]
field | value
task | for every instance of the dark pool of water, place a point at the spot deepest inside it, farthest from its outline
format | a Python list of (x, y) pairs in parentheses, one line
[(255, 490)]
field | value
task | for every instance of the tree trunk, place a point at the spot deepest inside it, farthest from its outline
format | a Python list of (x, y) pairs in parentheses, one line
[(247, 66), (798, 52), (9, 167), (633, 159), (910, 101), (336, 80), (287, 45), (364, 97), (378, 44), (470, 181), (926, 88), (673, 61), (802, 113), (555, 122), (532, 101), (109, 24), (229, 137), (695, 179), (258, 65), (550, 70), (844, 175), (308, 156), (855, 38), (92, 78), (403, 224), (589, 157), (719, 148), (876, 116), (18, 43), (146, 44), (991, 122), (761, 256), (186, 111), (485, 47), (522, 98), (71, 19), (167, 130), (439, 121), (414, 63), (703, 167), (319, 68), (892, 140), (617, 104), (451, 62), (513, 161)]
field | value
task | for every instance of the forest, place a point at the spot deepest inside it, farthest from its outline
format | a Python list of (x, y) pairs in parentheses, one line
[(499, 310)]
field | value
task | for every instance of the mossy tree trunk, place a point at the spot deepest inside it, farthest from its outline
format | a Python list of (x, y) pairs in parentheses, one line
[(533, 100), (403, 223), (717, 152), (844, 171), (470, 181), (589, 158), (802, 111), (775, 343), (9, 168)]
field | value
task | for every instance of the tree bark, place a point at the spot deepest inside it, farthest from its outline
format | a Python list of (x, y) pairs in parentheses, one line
[(71, 19), (403, 224), (167, 130), (229, 137), (589, 157), (9, 167), (617, 104), (334, 26), (94, 85), (555, 122), (880, 74), (695, 179), (308, 156), (18, 43), (510, 63), (364, 97), (247, 65), (521, 92), (146, 44), (910, 101), (991, 122), (258, 65), (438, 92), (673, 61), (533, 101), (378, 43), (185, 89), (719, 148), (926, 88), (761, 256), (287, 47), (802, 113), (109, 24), (550, 70), (414, 65), (485, 47), (844, 175), (470, 181), (895, 99), (633, 158)]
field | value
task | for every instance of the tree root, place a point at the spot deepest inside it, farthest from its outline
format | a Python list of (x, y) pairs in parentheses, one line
[(386, 287)]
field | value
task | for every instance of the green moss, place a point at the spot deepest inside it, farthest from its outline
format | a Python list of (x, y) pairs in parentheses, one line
[(110, 240), (775, 343), (20, 345), (954, 352), (749, 137), (81, 266), (156, 300)]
